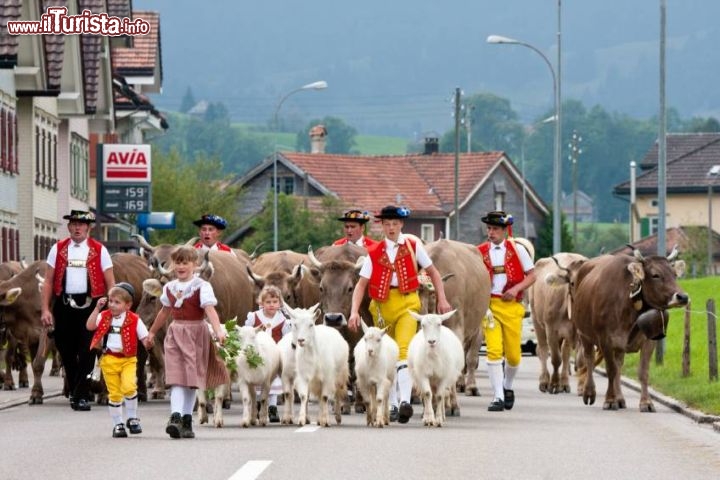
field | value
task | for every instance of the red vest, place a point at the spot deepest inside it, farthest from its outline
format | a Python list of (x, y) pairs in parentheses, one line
[(276, 331), (190, 308), (220, 246), (513, 266), (367, 242), (93, 265), (405, 266), (128, 332)]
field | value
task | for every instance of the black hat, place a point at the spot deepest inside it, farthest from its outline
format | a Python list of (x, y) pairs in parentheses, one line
[(80, 216), (355, 216), (215, 220), (127, 287), (498, 218), (391, 211)]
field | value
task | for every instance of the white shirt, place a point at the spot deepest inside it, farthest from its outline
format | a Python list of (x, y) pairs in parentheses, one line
[(114, 340), (76, 278), (269, 323), (391, 248), (497, 259), (182, 290)]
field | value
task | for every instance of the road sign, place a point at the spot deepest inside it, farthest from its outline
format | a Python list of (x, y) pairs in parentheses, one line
[(126, 198), (126, 163)]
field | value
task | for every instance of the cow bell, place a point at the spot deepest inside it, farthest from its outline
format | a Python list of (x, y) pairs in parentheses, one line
[(653, 324)]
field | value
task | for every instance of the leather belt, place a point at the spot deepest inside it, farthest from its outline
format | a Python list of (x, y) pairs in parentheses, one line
[(498, 269), (77, 263)]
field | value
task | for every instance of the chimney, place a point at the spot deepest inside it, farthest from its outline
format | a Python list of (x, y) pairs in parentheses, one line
[(317, 139), (432, 145)]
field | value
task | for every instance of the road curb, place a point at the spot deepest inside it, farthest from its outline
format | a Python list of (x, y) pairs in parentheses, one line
[(669, 402)]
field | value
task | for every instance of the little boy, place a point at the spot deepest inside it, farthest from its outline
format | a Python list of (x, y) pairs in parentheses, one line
[(117, 331)]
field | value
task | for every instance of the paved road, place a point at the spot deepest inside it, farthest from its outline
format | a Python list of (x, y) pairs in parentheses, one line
[(543, 437)]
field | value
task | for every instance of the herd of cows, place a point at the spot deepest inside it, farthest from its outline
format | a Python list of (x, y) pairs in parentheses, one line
[(601, 308)]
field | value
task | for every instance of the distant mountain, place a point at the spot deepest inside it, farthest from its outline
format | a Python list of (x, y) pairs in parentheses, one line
[(392, 65)]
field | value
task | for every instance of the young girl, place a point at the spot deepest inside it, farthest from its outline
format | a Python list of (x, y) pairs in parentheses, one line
[(189, 300), (270, 316), (117, 331)]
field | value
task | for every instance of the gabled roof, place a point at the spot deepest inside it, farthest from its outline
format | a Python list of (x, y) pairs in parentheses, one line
[(679, 237), (423, 183), (142, 58), (689, 158)]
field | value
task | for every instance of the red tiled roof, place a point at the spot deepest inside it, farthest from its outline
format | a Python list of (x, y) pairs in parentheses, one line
[(119, 8), (140, 59), (423, 183), (10, 10)]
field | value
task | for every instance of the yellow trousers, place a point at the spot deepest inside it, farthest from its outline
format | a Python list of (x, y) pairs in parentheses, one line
[(120, 377), (502, 334), (401, 326)]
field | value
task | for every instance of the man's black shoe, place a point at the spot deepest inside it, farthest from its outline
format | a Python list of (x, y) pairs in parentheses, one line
[(394, 414), (81, 405), (496, 405), (119, 431), (509, 399), (405, 412), (133, 424)]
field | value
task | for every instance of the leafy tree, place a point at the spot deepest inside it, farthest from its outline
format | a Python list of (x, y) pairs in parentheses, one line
[(544, 247), (298, 226), (340, 137), (190, 190), (188, 101)]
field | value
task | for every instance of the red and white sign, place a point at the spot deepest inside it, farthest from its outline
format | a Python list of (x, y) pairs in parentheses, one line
[(126, 163)]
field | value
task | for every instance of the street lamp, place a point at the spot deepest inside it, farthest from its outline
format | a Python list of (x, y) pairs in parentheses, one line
[(711, 175), (575, 152), (557, 166), (319, 85)]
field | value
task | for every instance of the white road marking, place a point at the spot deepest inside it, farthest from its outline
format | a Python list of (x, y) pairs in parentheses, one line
[(251, 470), (307, 429)]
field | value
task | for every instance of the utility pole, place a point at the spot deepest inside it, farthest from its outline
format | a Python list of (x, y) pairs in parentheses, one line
[(575, 152), (468, 126), (457, 162)]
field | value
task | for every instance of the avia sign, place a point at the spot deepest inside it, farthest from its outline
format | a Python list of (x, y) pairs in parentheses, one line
[(126, 163)]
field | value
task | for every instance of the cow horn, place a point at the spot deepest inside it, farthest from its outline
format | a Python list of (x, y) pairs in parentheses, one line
[(23, 263), (311, 255), (163, 271), (359, 262), (257, 278), (558, 264), (254, 253), (192, 241), (638, 255), (673, 254), (143, 243)]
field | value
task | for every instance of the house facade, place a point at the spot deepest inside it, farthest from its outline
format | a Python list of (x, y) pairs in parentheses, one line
[(424, 183), (57, 102), (692, 187)]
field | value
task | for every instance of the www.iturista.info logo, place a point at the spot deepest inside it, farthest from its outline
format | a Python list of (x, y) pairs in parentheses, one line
[(56, 21)]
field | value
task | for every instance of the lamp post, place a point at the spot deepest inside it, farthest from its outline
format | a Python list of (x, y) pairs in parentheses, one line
[(711, 175), (557, 166), (319, 85)]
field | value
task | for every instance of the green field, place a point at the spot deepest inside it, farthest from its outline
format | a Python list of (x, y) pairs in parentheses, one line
[(695, 390)]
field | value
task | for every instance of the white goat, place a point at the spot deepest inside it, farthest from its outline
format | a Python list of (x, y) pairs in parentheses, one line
[(321, 358), (435, 360), (259, 376), (376, 355), (287, 365)]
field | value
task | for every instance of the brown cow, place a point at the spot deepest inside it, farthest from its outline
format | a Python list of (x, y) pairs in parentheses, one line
[(612, 293), (338, 267), (467, 289), (20, 304), (288, 271), (550, 304), (15, 352)]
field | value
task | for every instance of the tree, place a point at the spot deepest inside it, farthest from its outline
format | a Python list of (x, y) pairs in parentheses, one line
[(544, 247), (188, 101), (298, 226), (190, 189), (340, 138)]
